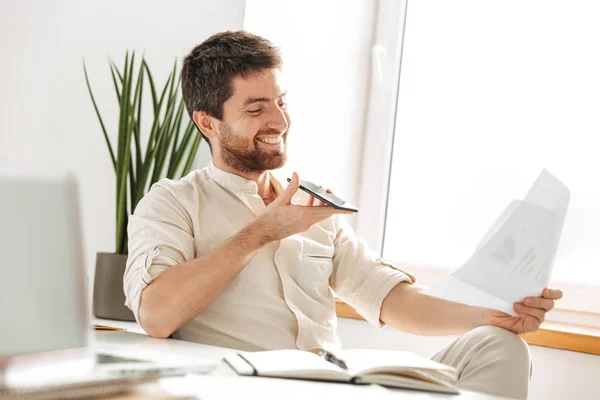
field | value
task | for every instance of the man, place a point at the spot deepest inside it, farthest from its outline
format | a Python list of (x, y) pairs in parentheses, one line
[(227, 256)]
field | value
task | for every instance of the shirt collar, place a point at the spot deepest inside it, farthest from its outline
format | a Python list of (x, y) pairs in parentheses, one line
[(237, 183)]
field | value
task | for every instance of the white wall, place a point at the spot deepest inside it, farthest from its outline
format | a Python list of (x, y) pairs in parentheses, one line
[(326, 53), (47, 119), (46, 116), (557, 374)]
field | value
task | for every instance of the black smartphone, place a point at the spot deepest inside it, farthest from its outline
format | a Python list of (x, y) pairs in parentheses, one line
[(327, 198)]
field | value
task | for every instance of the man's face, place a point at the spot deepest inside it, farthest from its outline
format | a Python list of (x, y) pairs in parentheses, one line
[(252, 137)]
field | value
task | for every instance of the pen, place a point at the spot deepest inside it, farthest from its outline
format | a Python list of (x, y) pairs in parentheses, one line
[(332, 359)]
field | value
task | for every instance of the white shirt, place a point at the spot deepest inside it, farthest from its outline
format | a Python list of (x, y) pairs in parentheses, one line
[(283, 298)]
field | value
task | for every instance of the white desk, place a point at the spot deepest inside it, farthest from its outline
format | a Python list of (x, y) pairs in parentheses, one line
[(223, 383)]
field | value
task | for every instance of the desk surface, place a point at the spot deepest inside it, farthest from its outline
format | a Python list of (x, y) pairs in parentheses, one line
[(223, 383)]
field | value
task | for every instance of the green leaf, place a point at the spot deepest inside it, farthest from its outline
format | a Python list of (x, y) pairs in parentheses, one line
[(175, 140), (156, 125), (192, 155), (125, 128), (174, 87), (162, 146), (136, 129), (117, 70), (178, 157), (113, 69), (128, 160), (151, 148), (131, 123), (165, 132), (110, 149), (132, 185), (152, 88), (122, 116), (139, 89)]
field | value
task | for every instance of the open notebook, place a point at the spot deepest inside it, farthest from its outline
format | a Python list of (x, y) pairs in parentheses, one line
[(389, 368)]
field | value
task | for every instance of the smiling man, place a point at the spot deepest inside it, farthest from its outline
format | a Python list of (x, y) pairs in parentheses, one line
[(227, 256)]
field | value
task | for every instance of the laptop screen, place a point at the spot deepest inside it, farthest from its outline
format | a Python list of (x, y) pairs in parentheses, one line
[(43, 301)]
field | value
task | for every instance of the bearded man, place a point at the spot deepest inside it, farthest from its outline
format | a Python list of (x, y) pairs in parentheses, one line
[(229, 257)]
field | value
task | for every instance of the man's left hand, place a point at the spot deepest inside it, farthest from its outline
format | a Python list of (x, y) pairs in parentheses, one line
[(531, 313)]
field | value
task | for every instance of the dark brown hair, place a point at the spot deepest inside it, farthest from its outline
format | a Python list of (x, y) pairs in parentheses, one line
[(208, 71)]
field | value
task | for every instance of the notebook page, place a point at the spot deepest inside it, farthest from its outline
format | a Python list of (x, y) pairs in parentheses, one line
[(363, 361), (294, 363)]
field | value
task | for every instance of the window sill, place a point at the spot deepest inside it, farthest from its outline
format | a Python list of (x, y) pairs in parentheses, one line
[(553, 335)]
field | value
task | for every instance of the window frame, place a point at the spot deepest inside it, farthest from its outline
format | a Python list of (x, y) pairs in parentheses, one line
[(581, 302), (386, 56)]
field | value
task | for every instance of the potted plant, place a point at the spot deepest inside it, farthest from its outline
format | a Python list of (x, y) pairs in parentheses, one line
[(169, 152)]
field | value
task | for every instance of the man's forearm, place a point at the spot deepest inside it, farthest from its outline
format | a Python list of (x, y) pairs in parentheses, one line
[(183, 291), (407, 309)]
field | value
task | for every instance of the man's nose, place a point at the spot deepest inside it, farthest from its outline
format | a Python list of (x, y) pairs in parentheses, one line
[(278, 120)]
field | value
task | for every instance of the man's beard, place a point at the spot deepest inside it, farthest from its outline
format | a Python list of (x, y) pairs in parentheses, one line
[(241, 154)]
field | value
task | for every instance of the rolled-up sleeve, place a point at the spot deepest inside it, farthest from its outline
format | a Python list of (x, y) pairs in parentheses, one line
[(160, 236), (360, 277)]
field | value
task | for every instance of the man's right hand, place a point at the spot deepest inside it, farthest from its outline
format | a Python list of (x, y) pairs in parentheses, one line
[(282, 218)]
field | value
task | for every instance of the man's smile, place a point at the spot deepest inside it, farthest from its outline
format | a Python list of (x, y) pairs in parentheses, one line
[(270, 139)]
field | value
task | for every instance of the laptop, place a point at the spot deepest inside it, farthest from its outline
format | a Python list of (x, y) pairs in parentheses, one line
[(46, 346)]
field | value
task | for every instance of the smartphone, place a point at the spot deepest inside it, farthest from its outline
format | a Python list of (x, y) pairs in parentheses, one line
[(327, 198)]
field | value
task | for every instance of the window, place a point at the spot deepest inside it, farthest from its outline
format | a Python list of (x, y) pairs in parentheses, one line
[(489, 94)]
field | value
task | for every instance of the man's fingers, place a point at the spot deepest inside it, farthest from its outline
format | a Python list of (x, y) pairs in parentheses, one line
[(319, 202), (530, 321), (290, 191), (313, 201), (539, 302), (537, 313), (554, 294), (319, 213), (322, 212)]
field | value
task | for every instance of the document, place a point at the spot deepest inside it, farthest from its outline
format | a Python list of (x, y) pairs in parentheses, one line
[(515, 258)]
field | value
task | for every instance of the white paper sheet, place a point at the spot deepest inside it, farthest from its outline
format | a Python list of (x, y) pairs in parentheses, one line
[(515, 258)]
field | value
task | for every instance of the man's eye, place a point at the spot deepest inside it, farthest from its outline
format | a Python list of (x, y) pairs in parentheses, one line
[(283, 105), (255, 111)]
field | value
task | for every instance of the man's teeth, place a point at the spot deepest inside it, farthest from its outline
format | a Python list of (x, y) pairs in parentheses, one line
[(270, 140)]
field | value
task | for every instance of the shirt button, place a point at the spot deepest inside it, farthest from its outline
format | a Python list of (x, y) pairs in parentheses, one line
[(280, 258)]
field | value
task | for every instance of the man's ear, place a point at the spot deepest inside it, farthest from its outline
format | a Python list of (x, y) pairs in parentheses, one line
[(205, 123)]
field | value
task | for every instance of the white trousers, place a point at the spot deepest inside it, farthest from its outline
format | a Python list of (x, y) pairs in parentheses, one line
[(490, 360)]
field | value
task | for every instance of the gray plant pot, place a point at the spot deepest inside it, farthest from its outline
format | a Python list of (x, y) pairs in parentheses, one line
[(109, 299)]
